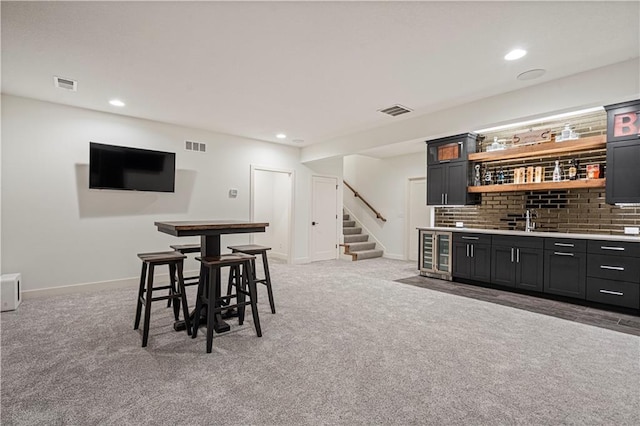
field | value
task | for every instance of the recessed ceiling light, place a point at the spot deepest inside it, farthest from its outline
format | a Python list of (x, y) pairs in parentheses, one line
[(531, 74), (515, 54), (116, 102), (281, 136)]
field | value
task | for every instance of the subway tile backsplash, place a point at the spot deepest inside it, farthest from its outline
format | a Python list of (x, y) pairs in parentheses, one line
[(581, 211)]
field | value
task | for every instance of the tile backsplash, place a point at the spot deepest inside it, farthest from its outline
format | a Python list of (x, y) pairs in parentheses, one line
[(581, 211)]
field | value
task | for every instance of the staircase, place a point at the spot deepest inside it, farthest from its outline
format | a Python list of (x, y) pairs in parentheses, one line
[(356, 243)]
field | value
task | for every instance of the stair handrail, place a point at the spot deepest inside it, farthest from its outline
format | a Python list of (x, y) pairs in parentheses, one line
[(357, 195)]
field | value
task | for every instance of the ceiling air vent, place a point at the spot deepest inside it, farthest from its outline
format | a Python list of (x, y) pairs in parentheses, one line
[(395, 110), (65, 83)]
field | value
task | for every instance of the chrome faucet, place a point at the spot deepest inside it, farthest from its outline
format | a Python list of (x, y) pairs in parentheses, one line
[(529, 226)]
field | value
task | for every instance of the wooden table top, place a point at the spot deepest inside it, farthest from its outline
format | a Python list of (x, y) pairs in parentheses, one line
[(209, 227)]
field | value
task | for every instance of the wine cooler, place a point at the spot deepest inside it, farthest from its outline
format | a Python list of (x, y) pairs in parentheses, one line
[(435, 254)]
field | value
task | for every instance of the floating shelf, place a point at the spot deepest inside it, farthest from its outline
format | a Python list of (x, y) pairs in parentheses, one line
[(565, 184), (542, 149)]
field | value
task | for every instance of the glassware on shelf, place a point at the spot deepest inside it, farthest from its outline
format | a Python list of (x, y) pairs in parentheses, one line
[(500, 176), (557, 173)]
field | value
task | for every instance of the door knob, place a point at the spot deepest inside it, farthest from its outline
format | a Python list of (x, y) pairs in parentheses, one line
[(314, 223)]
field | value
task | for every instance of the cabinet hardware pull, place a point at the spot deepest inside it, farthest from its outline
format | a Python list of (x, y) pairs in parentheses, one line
[(511, 254), (446, 198), (471, 250), (444, 161), (563, 244), (517, 255), (442, 198), (470, 238), (615, 293), (613, 268), (467, 250), (612, 248), (559, 253)]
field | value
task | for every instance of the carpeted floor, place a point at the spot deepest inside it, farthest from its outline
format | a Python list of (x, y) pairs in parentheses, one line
[(347, 346)]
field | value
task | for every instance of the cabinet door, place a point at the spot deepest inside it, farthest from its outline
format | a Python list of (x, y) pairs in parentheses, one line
[(461, 267), (565, 273), (529, 269), (623, 172), (436, 180), (503, 266), (426, 251), (481, 262), (456, 187)]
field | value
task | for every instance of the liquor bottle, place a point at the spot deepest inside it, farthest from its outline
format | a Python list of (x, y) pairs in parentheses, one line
[(487, 177), (476, 177), (557, 174), (573, 171), (501, 176)]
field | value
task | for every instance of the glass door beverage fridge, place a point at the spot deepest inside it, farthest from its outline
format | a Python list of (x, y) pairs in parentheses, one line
[(435, 254)]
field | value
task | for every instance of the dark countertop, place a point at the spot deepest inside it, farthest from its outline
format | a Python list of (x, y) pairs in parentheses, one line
[(606, 237)]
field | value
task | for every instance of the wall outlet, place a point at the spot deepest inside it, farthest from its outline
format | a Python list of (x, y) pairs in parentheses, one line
[(459, 224), (233, 193), (632, 230)]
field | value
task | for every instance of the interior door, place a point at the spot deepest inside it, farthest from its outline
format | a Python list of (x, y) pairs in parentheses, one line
[(324, 218), (419, 214)]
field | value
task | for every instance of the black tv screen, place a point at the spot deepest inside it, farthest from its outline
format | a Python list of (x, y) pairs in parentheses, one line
[(119, 167)]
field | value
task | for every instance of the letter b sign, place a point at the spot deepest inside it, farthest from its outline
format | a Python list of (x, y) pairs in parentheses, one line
[(626, 124)]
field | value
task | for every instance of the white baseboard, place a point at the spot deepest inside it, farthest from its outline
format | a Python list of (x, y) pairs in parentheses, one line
[(394, 256), (301, 260), (96, 286)]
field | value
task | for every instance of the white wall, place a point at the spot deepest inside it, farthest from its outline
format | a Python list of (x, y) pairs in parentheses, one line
[(383, 183), (57, 232)]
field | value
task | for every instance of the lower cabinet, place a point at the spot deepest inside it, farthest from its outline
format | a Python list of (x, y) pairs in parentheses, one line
[(472, 256), (565, 267), (517, 262)]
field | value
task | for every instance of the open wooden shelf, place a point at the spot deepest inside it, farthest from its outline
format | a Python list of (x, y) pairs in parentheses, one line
[(541, 149), (565, 184)]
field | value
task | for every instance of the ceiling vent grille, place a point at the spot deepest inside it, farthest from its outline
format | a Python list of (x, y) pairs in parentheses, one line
[(65, 83), (195, 146), (395, 110)]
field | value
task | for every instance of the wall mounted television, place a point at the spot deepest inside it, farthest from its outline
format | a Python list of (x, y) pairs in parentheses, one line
[(134, 169)]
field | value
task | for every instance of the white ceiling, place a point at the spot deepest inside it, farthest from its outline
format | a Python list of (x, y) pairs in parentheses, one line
[(313, 70)]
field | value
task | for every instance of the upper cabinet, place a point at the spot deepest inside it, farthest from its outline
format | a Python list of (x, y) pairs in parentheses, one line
[(448, 170), (623, 153)]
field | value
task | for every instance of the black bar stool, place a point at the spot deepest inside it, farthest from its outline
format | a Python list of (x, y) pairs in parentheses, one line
[(186, 249), (254, 249), (209, 291), (145, 296)]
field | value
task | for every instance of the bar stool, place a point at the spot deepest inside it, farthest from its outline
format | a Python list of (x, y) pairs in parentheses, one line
[(145, 296), (185, 249), (209, 291), (254, 249)]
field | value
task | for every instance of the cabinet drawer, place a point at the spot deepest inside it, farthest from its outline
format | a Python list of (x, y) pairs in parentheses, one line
[(565, 245), (614, 248), (517, 241), (617, 293), (619, 268), (463, 237)]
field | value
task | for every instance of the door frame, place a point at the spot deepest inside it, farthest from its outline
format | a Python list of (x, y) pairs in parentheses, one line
[(338, 181), (407, 232), (292, 176)]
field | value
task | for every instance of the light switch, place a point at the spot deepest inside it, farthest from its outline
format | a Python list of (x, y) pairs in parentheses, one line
[(233, 193)]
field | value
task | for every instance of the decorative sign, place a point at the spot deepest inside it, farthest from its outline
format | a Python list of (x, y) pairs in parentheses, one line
[(449, 152), (531, 137), (627, 124)]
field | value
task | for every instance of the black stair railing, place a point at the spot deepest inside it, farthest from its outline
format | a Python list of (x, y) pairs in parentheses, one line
[(357, 195)]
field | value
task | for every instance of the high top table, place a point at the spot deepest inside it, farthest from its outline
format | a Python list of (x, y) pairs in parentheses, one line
[(209, 232)]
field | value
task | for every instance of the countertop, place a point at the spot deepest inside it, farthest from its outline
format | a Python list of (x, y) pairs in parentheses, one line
[(606, 237)]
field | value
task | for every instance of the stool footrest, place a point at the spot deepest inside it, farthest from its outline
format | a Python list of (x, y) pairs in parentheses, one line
[(171, 296)]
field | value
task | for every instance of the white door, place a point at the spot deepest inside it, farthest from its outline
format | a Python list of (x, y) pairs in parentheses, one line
[(419, 214), (324, 218)]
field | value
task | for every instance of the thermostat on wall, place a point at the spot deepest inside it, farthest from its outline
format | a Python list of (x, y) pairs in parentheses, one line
[(233, 193)]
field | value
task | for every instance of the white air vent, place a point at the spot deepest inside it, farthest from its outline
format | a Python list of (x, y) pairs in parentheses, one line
[(195, 146), (65, 83), (395, 110)]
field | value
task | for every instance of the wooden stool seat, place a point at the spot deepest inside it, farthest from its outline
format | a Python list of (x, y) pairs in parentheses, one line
[(175, 262), (255, 249), (209, 291), (186, 248)]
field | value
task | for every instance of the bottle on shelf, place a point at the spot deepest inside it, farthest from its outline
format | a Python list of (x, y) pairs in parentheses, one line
[(500, 177), (573, 170), (488, 180), (477, 181), (557, 173)]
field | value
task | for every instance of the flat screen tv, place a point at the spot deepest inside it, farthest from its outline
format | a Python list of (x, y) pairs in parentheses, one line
[(119, 167)]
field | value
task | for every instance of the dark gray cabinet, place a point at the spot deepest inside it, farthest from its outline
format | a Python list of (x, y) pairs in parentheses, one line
[(623, 153), (565, 267), (448, 170), (517, 262), (472, 256)]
